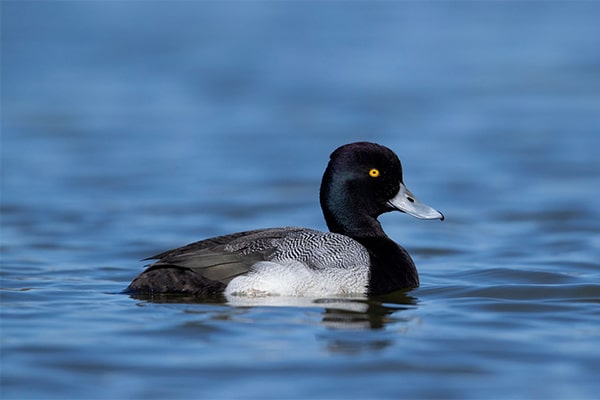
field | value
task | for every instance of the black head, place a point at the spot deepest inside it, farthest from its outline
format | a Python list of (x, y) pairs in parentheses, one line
[(362, 181)]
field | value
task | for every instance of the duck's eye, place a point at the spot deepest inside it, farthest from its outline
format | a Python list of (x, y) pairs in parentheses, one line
[(374, 173)]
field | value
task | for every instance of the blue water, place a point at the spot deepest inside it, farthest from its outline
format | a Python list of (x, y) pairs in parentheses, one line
[(130, 128)]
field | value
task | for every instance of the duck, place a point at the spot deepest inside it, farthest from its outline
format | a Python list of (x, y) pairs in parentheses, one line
[(355, 257)]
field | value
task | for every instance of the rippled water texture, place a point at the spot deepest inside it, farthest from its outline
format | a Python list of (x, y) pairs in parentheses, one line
[(130, 128)]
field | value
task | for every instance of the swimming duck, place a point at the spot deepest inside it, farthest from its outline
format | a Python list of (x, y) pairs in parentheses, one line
[(362, 181)]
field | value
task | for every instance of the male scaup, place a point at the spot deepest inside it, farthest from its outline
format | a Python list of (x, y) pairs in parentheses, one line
[(362, 181)]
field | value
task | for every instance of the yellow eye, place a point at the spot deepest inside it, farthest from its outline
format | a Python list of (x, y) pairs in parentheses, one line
[(374, 173)]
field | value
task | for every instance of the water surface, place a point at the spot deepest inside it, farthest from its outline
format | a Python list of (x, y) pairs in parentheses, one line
[(129, 129)]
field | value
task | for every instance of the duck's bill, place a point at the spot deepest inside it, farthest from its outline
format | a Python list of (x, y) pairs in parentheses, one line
[(406, 202)]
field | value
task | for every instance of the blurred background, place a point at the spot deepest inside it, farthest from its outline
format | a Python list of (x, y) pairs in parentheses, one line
[(109, 107), (129, 128)]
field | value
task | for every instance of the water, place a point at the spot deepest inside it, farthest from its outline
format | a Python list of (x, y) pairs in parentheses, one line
[(129, 129)]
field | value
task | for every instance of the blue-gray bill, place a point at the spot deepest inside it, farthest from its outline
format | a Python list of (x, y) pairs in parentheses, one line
[(406, 202)]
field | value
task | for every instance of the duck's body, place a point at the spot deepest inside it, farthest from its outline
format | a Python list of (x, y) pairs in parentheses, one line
[(362, 181), (278, 261)]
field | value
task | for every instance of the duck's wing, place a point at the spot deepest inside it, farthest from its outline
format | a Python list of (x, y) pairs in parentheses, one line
[(210, 263)]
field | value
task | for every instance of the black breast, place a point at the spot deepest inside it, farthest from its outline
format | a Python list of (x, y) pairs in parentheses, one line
[(391, 266)]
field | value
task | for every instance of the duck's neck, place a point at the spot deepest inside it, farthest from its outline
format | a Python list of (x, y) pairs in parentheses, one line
[(353, 225)]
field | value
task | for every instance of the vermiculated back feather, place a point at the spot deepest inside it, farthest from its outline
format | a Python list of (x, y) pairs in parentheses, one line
[(223, 258)]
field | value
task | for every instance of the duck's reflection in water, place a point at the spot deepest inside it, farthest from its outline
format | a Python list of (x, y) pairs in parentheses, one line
[(345, 313)]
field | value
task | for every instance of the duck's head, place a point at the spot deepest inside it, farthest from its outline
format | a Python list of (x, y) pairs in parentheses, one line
[(362, 181)]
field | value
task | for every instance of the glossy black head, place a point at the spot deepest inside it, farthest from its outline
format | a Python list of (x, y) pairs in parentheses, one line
[(358, 184)]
